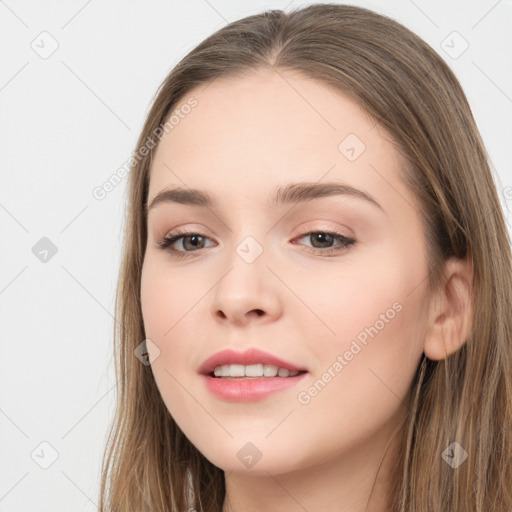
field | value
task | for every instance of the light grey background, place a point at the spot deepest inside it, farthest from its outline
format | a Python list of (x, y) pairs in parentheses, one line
[(69, 119)]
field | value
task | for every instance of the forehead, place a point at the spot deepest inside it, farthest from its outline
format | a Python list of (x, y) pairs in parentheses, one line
[(248, 134)]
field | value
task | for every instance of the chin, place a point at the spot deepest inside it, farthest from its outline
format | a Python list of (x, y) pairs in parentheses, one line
[(254, 458)]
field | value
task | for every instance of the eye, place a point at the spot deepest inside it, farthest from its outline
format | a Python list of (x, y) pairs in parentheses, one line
[(321, 240), (189, 239)]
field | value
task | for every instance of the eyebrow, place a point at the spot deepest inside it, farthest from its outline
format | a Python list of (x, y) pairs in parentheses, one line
[(289, 194)]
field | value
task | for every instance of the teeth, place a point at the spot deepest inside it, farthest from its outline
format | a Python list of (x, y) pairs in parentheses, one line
[(270, 370), (252, 370)]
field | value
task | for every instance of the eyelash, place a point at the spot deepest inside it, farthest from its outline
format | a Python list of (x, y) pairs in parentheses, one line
[(167, 241)]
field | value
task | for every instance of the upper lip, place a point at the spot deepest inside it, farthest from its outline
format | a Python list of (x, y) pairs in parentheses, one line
[(250, 356)]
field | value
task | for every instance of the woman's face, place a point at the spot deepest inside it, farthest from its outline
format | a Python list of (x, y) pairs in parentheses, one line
[(274, 276)]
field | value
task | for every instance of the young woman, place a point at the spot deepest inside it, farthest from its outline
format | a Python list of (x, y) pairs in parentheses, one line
[(316, 289)]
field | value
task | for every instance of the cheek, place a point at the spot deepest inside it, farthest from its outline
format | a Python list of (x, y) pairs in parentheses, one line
[(361, 379), (375, 312), (167, 303), (167, 299), (355, 295)]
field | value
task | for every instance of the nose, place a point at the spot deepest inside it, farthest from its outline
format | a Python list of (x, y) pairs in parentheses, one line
[(246, 292)]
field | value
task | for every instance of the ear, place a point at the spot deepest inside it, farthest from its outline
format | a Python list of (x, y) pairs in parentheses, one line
[(451, 310)]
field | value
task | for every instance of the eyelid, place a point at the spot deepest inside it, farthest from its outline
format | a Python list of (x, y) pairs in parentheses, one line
[(310, 227)]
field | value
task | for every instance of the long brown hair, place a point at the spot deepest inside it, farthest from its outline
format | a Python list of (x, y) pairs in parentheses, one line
[(149, 464)]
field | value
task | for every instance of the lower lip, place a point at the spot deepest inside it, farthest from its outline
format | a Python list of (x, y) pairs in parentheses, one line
[(249, 390)]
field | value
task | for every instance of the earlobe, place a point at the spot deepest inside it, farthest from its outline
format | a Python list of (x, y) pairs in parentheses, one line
[(451, 310)]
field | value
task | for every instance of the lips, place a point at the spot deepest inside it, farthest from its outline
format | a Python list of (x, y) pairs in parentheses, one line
[(250, 356)]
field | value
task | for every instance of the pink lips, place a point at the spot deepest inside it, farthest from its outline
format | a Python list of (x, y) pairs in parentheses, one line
[(248, 389)]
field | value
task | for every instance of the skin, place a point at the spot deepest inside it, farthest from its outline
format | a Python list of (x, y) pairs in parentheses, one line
[(247, 136)]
